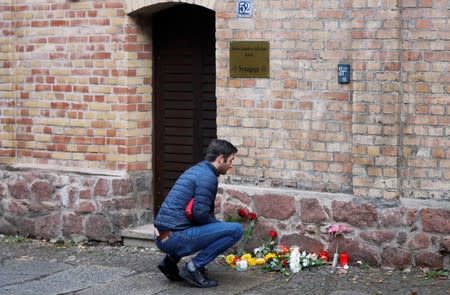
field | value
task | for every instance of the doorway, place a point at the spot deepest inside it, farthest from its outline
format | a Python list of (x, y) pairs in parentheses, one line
[(184, 92)]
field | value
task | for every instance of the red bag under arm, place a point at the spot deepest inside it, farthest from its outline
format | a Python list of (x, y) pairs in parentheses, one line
[(188, 209)]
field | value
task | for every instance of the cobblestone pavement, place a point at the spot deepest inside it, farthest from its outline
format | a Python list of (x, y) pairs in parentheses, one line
[(130, 270)]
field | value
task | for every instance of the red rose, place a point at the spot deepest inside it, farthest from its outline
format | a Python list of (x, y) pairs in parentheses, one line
[(242, 213), (273, 234), (251, 215), (284, 263)]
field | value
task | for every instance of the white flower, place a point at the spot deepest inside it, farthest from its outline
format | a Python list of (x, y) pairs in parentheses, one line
[(305, 262), (259, 252)]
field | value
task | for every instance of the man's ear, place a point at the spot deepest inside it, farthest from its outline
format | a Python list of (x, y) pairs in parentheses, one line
[(220, 159)]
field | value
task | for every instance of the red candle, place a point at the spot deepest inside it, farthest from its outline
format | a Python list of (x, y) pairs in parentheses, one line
[(343, 258), (324, 255)]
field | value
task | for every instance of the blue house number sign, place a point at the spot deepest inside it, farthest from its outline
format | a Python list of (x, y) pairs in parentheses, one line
[(244, 8)]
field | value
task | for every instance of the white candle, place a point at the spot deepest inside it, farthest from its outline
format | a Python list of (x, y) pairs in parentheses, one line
[(242, 265)]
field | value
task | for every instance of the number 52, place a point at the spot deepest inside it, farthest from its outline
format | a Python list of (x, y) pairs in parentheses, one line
[(244, 7)]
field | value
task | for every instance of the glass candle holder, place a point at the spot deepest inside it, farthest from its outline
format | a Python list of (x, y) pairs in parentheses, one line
[(343, 259)]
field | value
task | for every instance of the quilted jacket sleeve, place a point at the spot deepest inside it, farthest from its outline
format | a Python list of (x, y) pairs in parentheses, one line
[(205, 195)]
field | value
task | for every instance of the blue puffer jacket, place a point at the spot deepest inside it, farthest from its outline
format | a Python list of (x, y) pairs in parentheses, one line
[(200, 181)]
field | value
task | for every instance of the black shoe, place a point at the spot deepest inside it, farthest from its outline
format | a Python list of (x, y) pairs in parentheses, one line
[(196, 278), (170, 269), (203, 271)]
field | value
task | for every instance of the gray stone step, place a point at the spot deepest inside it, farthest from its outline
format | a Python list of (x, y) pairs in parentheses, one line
[(140, 236)]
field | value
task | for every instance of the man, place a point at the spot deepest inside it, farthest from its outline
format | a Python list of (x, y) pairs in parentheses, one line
[(183, 233)]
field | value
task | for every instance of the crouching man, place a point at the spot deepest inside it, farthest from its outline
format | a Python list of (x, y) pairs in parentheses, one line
[(186, 222)]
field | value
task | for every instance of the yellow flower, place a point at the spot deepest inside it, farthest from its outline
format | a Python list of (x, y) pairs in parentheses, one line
[(269, 256), (260, 261), (252, 262), (230, 259), (246, 257)]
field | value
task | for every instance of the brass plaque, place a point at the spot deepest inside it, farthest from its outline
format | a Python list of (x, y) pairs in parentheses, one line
[(249, 59)]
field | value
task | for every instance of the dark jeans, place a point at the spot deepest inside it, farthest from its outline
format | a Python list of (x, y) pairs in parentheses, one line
[(209, 240)]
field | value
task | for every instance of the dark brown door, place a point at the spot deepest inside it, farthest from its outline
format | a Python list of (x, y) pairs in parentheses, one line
[(184, 87)]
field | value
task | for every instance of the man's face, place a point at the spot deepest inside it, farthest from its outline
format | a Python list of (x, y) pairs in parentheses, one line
[(224, 166)]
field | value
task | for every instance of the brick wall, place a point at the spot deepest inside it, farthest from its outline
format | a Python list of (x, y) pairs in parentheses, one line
[(385, 135), (294, 129), (76, 91), (76, 86), (376, 42), (425, 165)]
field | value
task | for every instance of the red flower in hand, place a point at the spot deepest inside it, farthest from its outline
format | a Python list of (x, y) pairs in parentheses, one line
[(242, 213), (273, 234), (251, 216)]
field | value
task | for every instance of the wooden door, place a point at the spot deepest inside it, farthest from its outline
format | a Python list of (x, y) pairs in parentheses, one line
[(184, 87)]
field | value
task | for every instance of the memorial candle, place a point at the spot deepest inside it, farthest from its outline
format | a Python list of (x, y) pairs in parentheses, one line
[(343, 258)]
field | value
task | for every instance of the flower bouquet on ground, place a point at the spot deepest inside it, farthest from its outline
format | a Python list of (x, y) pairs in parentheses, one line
[(337, 231), (273, 257)]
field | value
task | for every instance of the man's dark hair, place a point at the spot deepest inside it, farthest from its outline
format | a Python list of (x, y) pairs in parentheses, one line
[(219, 147)]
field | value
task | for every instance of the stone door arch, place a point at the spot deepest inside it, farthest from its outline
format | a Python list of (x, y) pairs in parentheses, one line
[(133, 6)]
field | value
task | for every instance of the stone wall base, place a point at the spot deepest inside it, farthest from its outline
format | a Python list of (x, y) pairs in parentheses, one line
[(51, 204), (391, 233), (403, 233)]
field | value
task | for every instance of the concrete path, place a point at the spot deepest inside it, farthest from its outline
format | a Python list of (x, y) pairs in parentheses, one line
[(38, 268)]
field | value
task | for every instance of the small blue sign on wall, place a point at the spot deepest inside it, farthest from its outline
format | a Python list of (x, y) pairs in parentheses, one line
[(343, 73), (244, 8)]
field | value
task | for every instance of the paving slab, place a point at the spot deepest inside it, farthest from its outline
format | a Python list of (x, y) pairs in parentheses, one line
[(14, 271), (69, 280), (137, 284)]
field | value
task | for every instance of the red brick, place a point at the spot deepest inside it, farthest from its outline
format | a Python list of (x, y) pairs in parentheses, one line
[(58, 56), (126, 73), (133, 47), (56, 147), (62, 88), (124, 90), (82, 89), (130, 150), (59, 105), (340, 96), (332, 14), (57, 40), (426, 3), (100, 39), (443, 56), (111, 4), (99, 22), (101, 55), (42, 23), (95, 157), (59, 23), (135, 166), (39, 154)]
